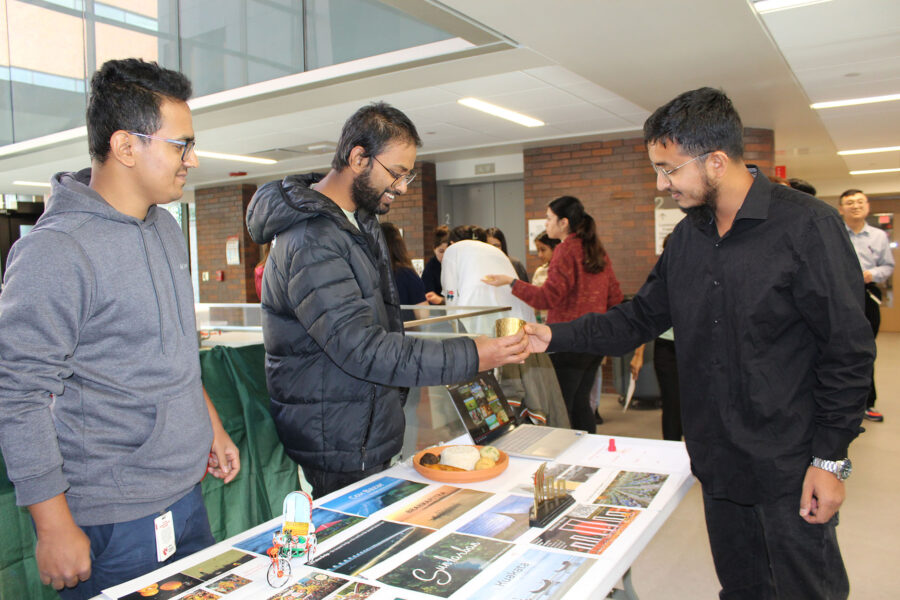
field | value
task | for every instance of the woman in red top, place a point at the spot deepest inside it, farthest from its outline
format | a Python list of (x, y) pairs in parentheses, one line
[(580, 280)]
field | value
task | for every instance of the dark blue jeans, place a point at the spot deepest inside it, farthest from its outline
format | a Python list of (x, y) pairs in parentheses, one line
[(767, 551), (123, 551)]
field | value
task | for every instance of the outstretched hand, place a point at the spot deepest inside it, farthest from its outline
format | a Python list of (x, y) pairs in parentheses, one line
[(497, 280), (496, 352), (538, 337)]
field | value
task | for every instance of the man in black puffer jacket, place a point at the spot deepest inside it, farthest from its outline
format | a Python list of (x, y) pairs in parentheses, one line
[(335, 349)]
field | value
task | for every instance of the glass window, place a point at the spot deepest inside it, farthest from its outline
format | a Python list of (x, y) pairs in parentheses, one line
[(46, 70), (231, 43), (345, 30)]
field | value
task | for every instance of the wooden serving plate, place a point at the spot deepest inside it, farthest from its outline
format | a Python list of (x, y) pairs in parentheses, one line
[(458, 476)]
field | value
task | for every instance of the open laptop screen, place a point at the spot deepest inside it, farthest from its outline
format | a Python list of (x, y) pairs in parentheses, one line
[(483, 408)]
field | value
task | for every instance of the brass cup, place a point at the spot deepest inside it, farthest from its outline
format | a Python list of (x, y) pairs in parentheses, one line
[(507, 326)]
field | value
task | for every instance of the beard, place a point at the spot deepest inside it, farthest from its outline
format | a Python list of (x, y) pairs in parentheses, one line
[(705, 212), (366, 197)]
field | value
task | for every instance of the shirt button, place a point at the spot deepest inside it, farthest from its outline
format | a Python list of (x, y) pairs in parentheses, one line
[(715, 321), (716, 283)]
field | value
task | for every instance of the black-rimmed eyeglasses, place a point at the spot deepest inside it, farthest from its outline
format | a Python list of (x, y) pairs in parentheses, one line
[(186, 145), (667, 172), (406, 178)]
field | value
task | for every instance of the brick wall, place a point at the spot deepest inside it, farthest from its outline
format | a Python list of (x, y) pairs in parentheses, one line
[(220, 214), (415, 212), (617, 185)]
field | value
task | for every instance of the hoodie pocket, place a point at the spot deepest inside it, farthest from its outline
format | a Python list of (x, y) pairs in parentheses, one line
[(175, 454)]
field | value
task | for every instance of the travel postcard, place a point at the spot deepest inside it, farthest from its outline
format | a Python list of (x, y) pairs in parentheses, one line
[(537, 575), (572, 475), (228, 584), (439, 507), (369, 547), (444, 567), (586, 528), (313, 586), (200, 595), (217, 565), (372, 497), (355, 591), (326, 523), (506, 520), (164, 589), (632, 489)]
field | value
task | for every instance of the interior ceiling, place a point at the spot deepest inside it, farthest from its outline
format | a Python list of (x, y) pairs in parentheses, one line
[(589, 70)]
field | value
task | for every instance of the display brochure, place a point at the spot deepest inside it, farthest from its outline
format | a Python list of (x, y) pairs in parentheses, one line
[(537, 575), (355, 591), (439, 507), (632, 489), (164, 589), (585, 528), (444, 567), (369, 547), (506, 520), (327, 524), (312, 586), (200, 595), (229, 583), (571, 475), (371, 498), (217, 565)]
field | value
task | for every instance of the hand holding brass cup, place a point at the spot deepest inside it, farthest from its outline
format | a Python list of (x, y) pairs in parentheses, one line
[(507, 326)]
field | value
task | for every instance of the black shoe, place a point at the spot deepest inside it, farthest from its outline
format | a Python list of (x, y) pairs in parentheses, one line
[(598, 419), (873, 415)]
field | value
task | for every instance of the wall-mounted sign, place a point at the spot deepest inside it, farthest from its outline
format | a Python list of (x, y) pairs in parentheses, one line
[(667, 216), (233, 250)]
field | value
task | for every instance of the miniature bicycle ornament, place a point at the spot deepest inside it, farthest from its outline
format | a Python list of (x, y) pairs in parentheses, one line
[(296, 538)]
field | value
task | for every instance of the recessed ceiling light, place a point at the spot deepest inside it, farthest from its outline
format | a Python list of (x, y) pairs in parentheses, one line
[(32, 183), (769, 6), (870, 150), (235, 157), (875, 171), (855, 101), (499, 111)]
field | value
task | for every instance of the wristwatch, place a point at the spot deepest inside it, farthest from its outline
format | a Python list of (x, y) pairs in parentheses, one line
[(840, 468)]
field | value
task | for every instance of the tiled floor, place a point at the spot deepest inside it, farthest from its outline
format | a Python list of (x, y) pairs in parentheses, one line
[(677, 564)]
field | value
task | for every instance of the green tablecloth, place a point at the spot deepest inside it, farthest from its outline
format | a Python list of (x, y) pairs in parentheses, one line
[(236, 382)]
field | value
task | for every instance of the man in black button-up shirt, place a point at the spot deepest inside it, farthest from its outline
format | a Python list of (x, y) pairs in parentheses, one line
[(774, 352)]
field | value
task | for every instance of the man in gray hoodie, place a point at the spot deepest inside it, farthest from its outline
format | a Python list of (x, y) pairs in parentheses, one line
[(104, 424)]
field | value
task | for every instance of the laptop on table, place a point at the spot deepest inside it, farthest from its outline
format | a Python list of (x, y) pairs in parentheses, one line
[(490, 421)]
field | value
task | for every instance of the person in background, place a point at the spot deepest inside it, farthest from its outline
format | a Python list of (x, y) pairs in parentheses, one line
[(104, 423), (431, 274), (496, 239), (545, 245), (802, 185), (873, 249), (409, 284), (665, 365), (259, 268), (581, 280)]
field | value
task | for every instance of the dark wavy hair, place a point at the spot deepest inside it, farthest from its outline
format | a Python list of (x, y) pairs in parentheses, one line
[(126, 95), (495, 232), (700, 121), (373, 127), (441, 235), (583, 226), (467, 232), (396, 246)]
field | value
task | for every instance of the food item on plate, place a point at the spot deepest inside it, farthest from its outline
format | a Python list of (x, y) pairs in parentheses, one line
[(445, 468), (485, 463), (429, 458), (490, 452), (463, 457)]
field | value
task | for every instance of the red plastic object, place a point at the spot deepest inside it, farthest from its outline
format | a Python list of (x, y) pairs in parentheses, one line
[(612, 445)]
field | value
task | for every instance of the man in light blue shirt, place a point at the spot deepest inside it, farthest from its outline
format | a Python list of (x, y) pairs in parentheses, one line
[(874, 252)]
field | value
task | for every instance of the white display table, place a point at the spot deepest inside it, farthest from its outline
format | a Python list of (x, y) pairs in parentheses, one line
[(496, 556)]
